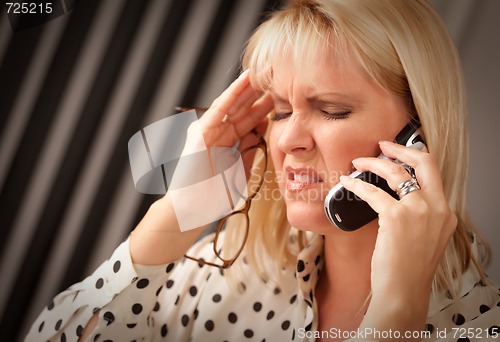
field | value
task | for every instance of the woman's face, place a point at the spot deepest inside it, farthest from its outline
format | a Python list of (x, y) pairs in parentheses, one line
[(322, 123)]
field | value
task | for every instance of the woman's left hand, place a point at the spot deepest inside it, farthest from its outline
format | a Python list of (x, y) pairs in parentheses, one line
[(412, 237)]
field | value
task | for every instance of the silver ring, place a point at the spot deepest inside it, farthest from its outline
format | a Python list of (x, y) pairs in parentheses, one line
[(407, 168), (407, 186), (225, 118)]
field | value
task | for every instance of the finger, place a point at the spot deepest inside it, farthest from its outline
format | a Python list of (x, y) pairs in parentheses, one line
[(243, 103), (256, 115), (377, 198), (250, 139), (425, 167), (222, 105), (393, 173)]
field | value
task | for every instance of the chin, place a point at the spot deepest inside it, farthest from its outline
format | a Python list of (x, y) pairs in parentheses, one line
[(308, 217)]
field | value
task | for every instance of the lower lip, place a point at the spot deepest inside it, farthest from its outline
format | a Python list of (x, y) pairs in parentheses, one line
[(295, 186)]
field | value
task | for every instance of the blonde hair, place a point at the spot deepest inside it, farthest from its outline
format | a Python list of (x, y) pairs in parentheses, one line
[(404, 47)]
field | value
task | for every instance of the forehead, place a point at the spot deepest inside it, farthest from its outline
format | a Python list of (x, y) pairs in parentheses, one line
[(327, 71)]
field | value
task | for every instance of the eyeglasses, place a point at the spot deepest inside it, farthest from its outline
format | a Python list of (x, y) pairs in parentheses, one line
[(227, 256)]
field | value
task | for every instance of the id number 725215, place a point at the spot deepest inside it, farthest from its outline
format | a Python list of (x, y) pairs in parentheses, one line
[(28, 7)]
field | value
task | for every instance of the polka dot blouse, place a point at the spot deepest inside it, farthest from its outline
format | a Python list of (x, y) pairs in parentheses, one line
[(185, 301)]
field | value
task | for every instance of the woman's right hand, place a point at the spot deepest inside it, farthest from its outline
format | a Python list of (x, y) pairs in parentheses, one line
[(245, 110), (157, 239)]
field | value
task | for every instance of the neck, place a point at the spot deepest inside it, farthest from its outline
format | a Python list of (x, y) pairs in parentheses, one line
[(348, 255), (343, 289)]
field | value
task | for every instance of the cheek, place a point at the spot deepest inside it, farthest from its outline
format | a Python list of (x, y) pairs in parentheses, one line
[(339, 150)]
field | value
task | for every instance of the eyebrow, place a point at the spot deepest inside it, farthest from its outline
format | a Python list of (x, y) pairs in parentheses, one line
[(314, 98), (279, 99)]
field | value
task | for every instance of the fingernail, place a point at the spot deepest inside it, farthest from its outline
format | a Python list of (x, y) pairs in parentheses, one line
[(385, 143), (243, 73)]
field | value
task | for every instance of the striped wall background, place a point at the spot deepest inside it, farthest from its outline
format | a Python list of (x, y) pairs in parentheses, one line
[(72, 92)]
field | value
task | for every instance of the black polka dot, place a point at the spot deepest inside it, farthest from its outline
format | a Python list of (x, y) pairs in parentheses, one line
[(185, 320), (96, 338), (494, 331), (317, 260), (293, 299), (157, 307), (137, 308), (116, 266), (209, 325), (429, 328), (131, 325), (170, 267), (159, 290), (285, 325), (170, 283), (99, 283), (50, 306), (142, 283), (217, 298), (193, 291), (306, 277), (257, 306), (277, 290), (270, 315), (164, 330), (463, 339), (458, 319), (248, 333), (58, 324), (177, 300), (301, 266), (232, 318), (484, 308), (108, 316), (309, 326), (63, 337), (40, 327)]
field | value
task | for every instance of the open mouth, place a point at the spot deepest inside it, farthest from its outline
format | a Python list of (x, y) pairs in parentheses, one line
[(302, 178)]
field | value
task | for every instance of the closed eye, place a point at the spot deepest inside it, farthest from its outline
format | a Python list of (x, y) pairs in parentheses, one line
[(336, 115), (280, 116)]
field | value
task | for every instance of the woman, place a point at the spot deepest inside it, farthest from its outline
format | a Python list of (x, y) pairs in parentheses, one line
[(339, 80)]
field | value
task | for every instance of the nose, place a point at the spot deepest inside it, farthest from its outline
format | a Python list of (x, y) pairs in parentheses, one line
[(295, 137)]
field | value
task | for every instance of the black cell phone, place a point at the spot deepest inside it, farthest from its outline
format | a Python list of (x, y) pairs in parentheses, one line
[(347, 211)]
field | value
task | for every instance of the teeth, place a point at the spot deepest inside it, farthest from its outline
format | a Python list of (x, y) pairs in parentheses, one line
[(302, 178)]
